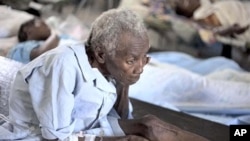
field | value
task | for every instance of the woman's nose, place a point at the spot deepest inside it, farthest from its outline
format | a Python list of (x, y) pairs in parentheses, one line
[(139, 67)]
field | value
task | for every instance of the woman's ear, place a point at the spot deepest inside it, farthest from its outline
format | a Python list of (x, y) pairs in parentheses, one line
[(99, 55)]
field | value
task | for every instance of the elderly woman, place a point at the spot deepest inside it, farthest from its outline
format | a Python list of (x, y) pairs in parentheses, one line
[(80, 92)]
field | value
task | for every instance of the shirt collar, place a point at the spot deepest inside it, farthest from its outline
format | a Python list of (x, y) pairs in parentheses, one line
[(83, 62), (89, 73), (102, 83)]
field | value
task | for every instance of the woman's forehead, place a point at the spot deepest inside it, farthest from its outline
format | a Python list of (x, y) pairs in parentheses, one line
[(134, 49)]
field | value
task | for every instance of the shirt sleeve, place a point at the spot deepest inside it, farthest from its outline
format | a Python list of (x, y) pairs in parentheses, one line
[(113, 120), (51, 88), (108, 126), (21, 52), (117, 131)]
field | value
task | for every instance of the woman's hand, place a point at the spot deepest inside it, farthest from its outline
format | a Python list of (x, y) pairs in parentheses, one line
[(154, 129), (158, 130)]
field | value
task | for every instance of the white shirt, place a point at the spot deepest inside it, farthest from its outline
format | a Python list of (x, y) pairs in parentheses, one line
[(58, 94)]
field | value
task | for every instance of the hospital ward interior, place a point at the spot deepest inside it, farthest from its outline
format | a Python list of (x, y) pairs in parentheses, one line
[(198, 75)]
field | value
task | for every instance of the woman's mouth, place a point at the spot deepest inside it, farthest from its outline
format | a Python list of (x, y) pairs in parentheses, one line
[(135, 78)]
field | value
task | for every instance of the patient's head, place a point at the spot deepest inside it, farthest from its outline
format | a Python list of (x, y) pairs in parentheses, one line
[(186, 7), (34, 29), (119, 44)]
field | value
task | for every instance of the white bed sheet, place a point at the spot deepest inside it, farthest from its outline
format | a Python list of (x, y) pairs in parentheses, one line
[(212, 87)]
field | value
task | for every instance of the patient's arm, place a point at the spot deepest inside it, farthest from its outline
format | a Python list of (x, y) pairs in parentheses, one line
[(49, 44), (230, 31)]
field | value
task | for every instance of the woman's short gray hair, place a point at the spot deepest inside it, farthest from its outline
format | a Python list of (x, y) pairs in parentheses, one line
[(107, 28)]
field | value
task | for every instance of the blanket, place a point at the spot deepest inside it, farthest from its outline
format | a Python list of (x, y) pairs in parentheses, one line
[(11, 20), (228, 13), (213, 86), (8, 70)]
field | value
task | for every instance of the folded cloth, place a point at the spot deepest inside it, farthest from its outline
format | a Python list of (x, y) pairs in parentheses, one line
[(229, 13)]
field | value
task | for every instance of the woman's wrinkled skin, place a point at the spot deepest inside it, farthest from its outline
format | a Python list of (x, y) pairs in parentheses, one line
[(127, 64)]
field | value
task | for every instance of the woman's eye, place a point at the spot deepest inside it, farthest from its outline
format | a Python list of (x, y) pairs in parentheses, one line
[(130, 62), (146, 59)]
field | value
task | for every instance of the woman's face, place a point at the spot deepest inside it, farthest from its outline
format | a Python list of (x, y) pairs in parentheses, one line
[(127, 64)]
